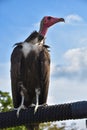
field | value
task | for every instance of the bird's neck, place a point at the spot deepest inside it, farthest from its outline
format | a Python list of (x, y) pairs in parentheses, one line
[(43, 31), (38, 40)]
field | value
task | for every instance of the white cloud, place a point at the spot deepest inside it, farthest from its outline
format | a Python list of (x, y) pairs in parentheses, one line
[(66, 90), (77, 57), (73, 18), (76, 64)]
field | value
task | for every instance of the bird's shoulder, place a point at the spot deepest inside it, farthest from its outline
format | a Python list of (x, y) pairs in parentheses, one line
[(18, 45), (17, 50)]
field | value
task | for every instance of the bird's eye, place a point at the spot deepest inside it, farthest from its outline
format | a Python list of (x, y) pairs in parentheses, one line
[(49, 18)]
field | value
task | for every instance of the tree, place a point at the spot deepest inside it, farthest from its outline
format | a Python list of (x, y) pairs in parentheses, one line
[(5, 101)]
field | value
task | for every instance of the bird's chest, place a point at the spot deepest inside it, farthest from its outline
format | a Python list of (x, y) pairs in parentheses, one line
[(30, 65), (27, 48)]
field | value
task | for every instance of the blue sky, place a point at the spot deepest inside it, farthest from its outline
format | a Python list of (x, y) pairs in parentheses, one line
[(68, 42)]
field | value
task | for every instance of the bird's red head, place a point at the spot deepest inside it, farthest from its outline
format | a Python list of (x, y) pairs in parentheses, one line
[(48, 21)]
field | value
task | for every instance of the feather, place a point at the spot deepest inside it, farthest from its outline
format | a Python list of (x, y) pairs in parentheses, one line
[(33, 72)]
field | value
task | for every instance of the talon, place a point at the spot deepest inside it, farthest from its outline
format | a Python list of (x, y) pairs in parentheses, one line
[(45, 104), (19, 108), (21, 105), (32, 105), (35, 110), (15, 109), (18, 113), (36, 107), (37, 91)]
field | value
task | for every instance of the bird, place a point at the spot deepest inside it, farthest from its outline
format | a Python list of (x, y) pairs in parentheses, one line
[(30, 69)]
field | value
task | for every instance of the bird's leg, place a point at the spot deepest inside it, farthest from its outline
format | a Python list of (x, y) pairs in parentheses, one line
[(37, 91), (22, 98), (22, 104)]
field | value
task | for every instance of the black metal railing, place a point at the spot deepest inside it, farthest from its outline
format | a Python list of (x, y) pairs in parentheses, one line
[(75, 110)]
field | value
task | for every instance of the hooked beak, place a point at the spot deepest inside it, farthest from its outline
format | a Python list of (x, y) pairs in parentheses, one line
[(59, 20), (54, 21)]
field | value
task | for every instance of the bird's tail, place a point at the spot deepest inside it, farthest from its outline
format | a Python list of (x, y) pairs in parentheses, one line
[(32, 127)]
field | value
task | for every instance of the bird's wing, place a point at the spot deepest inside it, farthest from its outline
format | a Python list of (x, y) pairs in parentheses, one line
[(44, 61), (15, 74)]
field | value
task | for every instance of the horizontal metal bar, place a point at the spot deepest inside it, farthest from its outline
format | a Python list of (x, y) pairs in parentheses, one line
[(75, 110)]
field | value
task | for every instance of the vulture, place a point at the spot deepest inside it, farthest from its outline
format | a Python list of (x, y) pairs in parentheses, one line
[(30, 69)]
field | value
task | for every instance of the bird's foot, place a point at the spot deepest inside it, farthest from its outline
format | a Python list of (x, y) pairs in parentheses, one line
[(35, 109), (15, 109), (44, 104), (19, 109), (32, 105)]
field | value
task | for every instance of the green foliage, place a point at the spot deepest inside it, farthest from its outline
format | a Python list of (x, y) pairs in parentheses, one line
[(50, 126), (5, 101), (15, 128)]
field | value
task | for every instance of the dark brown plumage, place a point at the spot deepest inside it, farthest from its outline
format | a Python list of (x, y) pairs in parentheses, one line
[(30, 69), (33, 71)]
